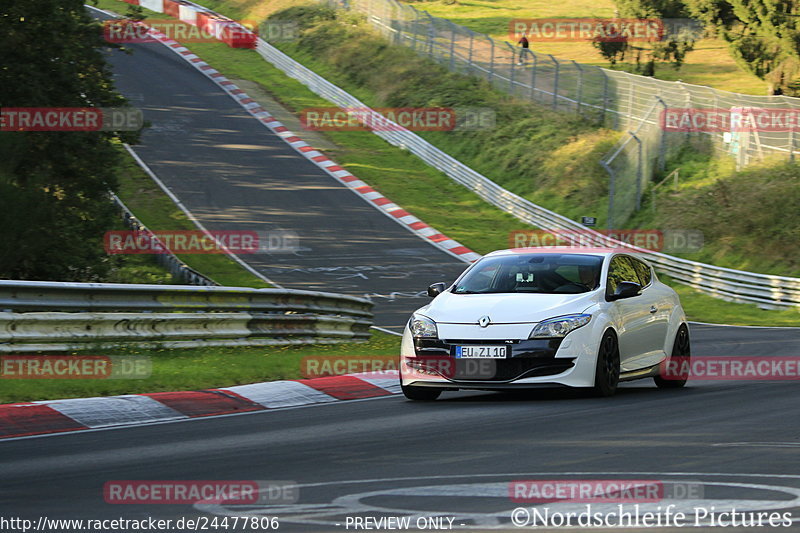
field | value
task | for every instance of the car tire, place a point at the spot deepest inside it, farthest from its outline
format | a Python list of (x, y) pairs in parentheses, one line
[(420, 394), (680, 348), (606, 374)]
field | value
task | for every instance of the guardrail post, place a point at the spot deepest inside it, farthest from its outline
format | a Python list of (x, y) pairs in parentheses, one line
[(555, 82), (533, 74)]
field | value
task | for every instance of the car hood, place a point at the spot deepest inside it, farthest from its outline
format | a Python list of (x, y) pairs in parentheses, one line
[(506, 308)]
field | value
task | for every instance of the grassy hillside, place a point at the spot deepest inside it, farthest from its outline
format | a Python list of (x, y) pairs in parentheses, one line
[(553, 159), (709, 64)]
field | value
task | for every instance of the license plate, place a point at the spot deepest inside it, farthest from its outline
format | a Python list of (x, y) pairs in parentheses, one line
[(481, 352)]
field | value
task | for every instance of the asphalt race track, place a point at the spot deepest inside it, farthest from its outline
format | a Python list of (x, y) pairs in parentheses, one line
[(232, 173), (390, 457), (739, 442)]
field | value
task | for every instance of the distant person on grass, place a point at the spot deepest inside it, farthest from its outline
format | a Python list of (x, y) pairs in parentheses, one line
[(523, 42)]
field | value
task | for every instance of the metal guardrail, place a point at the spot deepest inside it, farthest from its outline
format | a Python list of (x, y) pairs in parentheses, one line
[(772, 292), (54, 316), (168, 260)]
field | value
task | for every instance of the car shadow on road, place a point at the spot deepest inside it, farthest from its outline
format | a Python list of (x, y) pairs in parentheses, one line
[(561, 394)]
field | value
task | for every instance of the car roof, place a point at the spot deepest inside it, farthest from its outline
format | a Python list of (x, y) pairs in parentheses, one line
[(561, 250)]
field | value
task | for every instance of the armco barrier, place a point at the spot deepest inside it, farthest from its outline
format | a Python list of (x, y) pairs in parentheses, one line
[(54, 316), (170, 261), (771, 292)]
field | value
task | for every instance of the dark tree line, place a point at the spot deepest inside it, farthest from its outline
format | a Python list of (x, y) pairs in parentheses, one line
[(763, 36), (54, 205), (678, 39)]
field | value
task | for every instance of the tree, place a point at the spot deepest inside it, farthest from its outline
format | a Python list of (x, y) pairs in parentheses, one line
[(54, 205), (763, 36), (678, 39)]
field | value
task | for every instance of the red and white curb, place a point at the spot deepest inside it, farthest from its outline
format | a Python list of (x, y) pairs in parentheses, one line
[(56, 416), (370, 195)]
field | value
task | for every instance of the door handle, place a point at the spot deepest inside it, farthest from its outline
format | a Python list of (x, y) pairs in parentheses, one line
[(653, 309)]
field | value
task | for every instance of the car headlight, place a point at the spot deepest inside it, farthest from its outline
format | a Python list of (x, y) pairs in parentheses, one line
[(422, 326), (559, 326)]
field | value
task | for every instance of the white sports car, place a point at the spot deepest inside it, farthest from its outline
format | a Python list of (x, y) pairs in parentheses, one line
[(545, 316)]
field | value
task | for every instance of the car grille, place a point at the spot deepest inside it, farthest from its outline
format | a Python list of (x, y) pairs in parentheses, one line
[(527, 358)]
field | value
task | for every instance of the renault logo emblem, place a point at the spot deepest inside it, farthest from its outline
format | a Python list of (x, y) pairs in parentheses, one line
[(484, 321)]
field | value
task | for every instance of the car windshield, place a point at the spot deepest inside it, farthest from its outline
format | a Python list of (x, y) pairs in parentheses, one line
[(532, 273)]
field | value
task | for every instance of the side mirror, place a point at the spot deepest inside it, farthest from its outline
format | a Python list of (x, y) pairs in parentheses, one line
[(625, 289), (436, 289)]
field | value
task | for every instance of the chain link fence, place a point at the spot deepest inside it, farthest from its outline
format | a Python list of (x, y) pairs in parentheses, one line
[(618, 100)]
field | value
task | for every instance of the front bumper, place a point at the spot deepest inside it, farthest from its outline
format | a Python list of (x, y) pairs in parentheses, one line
[(566, 361), (524, 359)]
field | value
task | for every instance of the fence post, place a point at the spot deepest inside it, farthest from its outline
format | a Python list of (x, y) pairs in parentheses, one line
[(431, 30), (629, 114), (452, 46), (580, 85), (638, 170), (612, 179), (533, 74), (787, 102), (400, 22), (605, 98), (662, 143), (491, 61), (471, 39), (511, 76), (687, 102), (555, 82), (416, 25)]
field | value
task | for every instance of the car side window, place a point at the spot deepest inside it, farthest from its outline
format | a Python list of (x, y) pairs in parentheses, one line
[(621, 269), (643, 270)]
